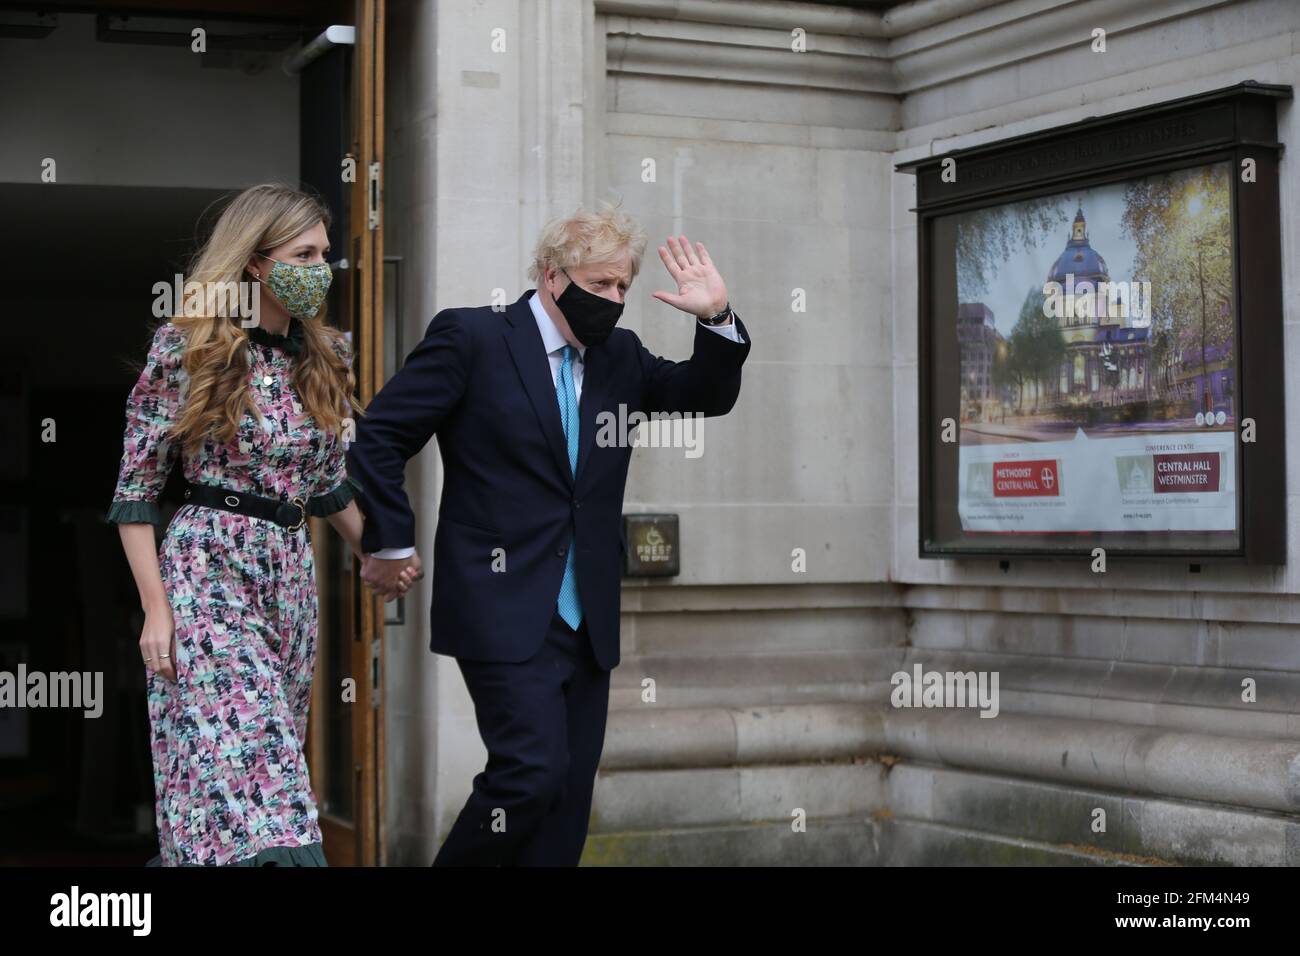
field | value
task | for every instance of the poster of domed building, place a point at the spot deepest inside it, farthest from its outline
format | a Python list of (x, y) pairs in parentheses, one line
[(1097, 342)]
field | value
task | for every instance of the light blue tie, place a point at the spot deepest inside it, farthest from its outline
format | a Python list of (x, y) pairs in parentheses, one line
[(568, 603)]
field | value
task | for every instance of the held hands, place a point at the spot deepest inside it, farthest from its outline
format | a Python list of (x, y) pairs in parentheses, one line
[(700, 289), (391, 578)]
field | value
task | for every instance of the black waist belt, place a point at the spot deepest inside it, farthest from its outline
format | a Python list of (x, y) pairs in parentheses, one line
[(292, 513)]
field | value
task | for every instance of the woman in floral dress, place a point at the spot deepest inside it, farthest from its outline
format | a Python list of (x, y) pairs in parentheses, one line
[(230, 633)]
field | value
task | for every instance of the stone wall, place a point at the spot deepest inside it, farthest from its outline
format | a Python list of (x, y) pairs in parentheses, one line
[(1119, 691)]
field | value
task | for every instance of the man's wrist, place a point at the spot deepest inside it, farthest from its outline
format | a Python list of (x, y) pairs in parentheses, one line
[(722, 317), (393, 554)]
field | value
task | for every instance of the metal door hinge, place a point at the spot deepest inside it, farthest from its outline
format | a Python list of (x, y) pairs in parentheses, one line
[(372, 196)]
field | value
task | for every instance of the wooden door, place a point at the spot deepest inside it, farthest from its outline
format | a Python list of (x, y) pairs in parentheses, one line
[(346, 749)]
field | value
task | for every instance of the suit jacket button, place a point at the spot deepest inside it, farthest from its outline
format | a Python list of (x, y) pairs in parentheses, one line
[(560, 551), (577, 503)]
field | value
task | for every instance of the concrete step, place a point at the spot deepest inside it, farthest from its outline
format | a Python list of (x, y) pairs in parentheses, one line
[(654, 737), (1204, 698), (1225, 722), (740, 631), (1145, 694), (801, 668), (910, 842), (1234, 722), (1186, 832), (669, 799), (760, 679), (1250, 773), (1203, 685), (774, 695), (831, 841), (1019, 789), (1023, 811), (842, 841)]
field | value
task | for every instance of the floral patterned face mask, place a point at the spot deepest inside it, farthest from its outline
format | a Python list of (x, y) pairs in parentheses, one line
[(300, 288)]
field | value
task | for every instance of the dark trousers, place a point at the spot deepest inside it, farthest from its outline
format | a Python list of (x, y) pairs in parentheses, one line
[(543, 723)]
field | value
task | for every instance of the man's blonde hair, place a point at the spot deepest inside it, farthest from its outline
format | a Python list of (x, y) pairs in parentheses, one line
[(588, 237)]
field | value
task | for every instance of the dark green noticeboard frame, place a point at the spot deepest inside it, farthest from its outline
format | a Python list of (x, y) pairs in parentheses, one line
[(1230, 126)]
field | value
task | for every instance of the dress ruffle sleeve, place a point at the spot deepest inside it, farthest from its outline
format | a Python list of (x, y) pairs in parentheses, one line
[(149, 452)]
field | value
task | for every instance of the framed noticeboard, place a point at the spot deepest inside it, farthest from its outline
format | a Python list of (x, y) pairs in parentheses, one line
[(1100, 338)]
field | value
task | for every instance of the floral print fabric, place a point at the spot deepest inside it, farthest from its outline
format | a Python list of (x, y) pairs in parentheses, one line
[(300, 288), (227, 737)]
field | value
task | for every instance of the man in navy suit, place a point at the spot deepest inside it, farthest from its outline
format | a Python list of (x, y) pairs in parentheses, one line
[(529, 542)]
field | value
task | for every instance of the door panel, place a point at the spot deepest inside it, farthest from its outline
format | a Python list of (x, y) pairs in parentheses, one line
[(343, 120)]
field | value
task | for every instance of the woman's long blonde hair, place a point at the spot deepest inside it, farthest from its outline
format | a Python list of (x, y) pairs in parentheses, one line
[(216, 354)]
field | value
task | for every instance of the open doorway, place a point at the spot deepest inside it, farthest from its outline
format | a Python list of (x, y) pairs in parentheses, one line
[(78, 787), (122, 136)]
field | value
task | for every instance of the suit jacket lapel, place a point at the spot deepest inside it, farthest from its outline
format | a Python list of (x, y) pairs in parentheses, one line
[(595, 384), (529, 356)]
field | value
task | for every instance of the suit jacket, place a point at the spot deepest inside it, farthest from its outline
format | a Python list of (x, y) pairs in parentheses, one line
[(480, 380)]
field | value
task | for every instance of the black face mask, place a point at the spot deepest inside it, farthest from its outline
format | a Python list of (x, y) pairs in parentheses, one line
[(592, 317)]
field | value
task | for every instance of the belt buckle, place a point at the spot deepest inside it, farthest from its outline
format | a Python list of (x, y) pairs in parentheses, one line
[(302, 512)]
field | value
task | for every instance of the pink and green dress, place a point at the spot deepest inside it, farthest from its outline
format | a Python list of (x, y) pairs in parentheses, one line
[(230, 776)]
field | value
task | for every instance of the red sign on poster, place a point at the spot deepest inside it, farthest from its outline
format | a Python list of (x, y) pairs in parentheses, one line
[(1195, 471), (1024, 479)]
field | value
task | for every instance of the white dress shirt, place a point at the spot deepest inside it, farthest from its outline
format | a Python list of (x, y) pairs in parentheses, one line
[(554, 344)]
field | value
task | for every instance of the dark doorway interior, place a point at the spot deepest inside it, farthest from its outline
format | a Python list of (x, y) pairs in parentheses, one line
[(79, 321)]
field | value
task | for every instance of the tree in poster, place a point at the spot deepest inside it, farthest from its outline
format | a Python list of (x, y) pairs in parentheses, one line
[(990, 237), (1008, 371), (1109, 366), (1036, 344), (1181, 224)]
